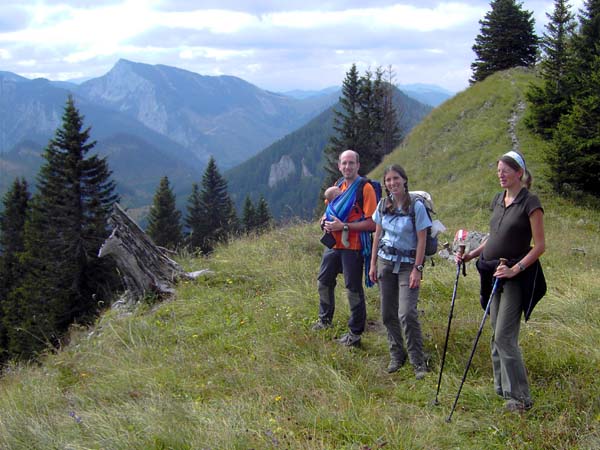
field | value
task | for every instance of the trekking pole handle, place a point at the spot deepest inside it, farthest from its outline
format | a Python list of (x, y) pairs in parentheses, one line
[(461, 252), (503, 262)]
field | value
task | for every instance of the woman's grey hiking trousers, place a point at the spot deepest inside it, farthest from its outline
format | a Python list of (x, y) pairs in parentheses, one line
[(399, 312), (510, 375)]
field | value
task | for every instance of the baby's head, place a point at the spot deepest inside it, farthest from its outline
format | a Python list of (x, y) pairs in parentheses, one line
[(331, 193)]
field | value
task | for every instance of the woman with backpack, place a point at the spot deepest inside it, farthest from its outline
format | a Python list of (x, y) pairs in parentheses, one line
[(517, 217), (397, 267)]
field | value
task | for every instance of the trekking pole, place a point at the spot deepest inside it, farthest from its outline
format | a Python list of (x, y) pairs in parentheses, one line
[(461, 251), (495, 287)]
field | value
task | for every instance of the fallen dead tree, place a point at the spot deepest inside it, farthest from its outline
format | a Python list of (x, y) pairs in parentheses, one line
[(144, 267)]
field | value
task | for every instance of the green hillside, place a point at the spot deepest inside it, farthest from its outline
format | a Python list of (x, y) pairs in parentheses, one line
[(231, 362)]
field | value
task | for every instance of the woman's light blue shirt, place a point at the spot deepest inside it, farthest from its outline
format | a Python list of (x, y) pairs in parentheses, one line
[(398, 230)]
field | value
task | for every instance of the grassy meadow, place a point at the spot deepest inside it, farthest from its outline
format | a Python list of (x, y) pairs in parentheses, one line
[(230, 362)]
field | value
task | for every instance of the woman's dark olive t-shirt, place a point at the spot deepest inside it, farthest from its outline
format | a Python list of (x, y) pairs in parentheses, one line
[(510, 229)]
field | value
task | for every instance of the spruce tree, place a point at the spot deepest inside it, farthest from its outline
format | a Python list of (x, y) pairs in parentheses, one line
[(12, 226), (507, 40), (574, 158), (195, 220), (370, 135), (79, 214), (231, 218), (263, 215), (33, 305), (575, 154), (346, 125), (552, 98), (65, 280), (366, 122), (379, 130), (587, 41), (248, 216), (392, 134), (556, 44), (164, 220), (218, 208)]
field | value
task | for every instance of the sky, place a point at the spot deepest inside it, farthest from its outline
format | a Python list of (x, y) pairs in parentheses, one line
[(277, 45)]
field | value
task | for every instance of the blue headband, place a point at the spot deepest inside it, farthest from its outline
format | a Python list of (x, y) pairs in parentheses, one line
[(518, 158)]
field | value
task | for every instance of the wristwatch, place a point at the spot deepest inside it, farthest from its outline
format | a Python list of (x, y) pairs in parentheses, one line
[(346, 228), (521, 266), (419, 267)]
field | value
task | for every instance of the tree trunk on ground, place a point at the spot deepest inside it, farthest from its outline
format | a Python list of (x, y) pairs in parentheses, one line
[(144, 267)]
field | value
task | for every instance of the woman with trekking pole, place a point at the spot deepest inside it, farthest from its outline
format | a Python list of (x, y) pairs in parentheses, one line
[(517, 217), (397, 265)]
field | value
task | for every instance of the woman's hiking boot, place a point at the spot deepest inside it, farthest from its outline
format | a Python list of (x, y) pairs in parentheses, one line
[(514, 405)]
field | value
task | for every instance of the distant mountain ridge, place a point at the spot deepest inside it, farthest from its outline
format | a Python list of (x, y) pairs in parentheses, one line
[(301, 93), (429, 94), (224, 116), (31, 111), (165, 113)]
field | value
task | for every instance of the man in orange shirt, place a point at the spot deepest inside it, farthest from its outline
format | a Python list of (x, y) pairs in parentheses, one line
[(346, 255)]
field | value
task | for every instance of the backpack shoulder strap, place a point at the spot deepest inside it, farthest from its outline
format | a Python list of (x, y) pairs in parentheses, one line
[(411, 209), (359, 192), (381, 206)]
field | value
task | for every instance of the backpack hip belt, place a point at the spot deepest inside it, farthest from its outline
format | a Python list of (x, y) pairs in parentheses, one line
[(398, 252)]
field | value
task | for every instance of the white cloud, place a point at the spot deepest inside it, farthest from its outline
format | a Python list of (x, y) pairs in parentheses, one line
[(216, 21), (102, 26), (254, 68), (435, 51), (214, 53), (186, 54), (400, 16), (277, 45), (27, 63)]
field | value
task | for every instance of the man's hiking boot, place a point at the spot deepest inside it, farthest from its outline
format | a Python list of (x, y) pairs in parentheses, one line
[(350, 339), (395, 365), (320, 325)]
